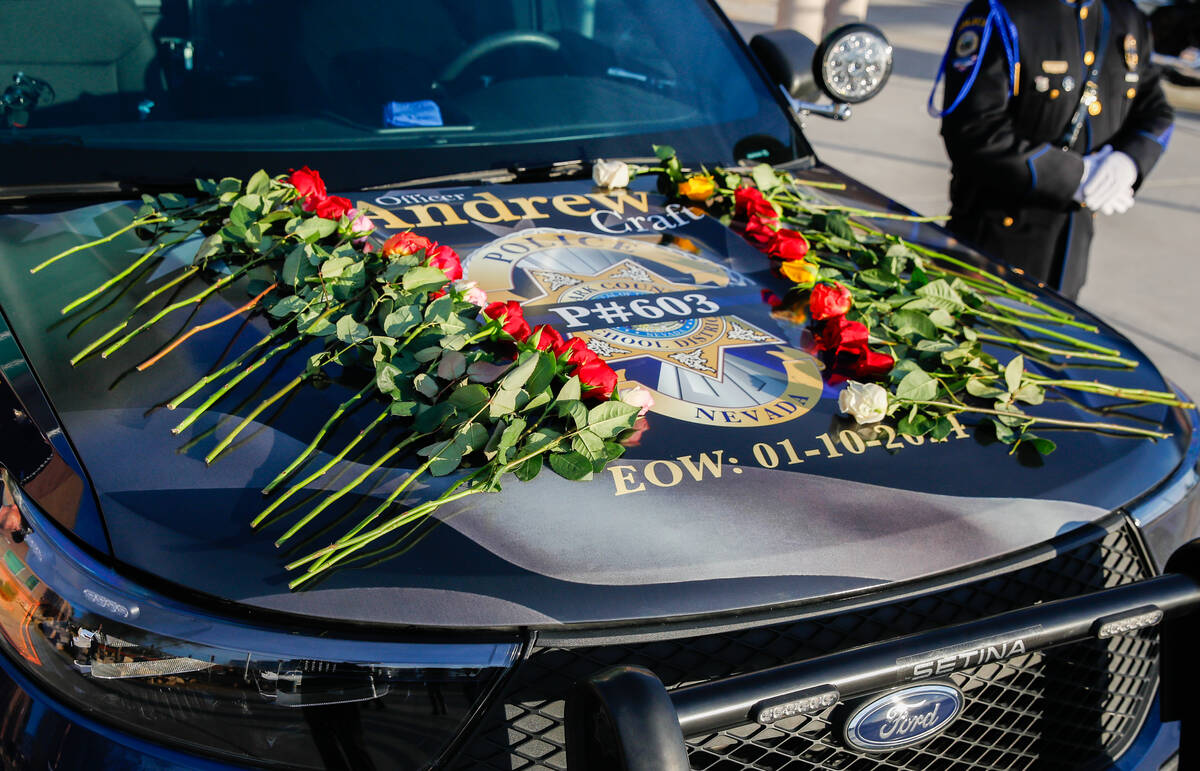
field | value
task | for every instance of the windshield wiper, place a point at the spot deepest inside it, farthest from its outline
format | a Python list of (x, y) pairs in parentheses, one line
[(516, 173)]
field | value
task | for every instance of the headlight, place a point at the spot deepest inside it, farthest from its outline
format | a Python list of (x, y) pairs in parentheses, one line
[(853, 63), (120, 654), (1170, 516)]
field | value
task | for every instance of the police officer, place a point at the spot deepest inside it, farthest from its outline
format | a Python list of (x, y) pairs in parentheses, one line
[(1051, 114)]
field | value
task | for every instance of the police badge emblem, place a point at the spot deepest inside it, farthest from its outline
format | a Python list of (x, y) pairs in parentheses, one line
[(1131, 53)]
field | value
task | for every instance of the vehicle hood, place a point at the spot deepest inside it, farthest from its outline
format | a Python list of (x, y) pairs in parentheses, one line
[(745, 488)]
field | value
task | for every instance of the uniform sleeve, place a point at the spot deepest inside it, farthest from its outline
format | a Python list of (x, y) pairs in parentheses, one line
[(1147, 128), (980, 134)]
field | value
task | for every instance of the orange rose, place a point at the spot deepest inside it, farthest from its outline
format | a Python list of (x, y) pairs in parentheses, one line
[(698, 188)]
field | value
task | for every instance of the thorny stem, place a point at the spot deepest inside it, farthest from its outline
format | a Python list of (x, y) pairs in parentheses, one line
[(312, 446), (1042, 316), (201, 327), (379, 532), (112, 281), (227, 387), (199, 384), (1048, 332), (338, 495), (137, 223), (1091, 386), (291, 384), (184, 275), (325, 468), (196, 298), (868, 214), (1055, 351), (1031, 419)]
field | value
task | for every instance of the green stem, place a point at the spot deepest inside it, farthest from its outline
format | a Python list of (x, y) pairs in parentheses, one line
[(379, 532), (194, 299), (112, 281), (1048, 332), (99, 341), (344, 549), (1091, 386), (1042, 316), (1055, 351), (1046, 421), (877, 215), (329, 501), (227, 387), (303, 483), (178, 400), (137, 223), (291, 384), (387, 502), (312, 446), (184, 275)]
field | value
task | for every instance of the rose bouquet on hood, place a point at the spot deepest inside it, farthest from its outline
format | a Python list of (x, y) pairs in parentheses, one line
[(930, 327), (459, 387)]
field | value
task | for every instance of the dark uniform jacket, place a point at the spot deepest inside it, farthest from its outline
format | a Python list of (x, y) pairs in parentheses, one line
[(1013, 180)]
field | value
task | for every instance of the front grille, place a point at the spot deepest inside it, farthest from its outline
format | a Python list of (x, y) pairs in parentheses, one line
[(1068, 707)]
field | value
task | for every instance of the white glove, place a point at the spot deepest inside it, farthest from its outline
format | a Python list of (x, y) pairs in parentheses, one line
[(1120, 204), (1110, 181), (1091, 163)]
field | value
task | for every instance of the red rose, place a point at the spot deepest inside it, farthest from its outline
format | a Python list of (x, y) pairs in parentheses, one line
[(829, 300), (405, 243), (334, 207), (871, 365), (597, 378), (744, 198), (787, 245), (511, 317), (759, 231), (445, 259), (549, 339), (839, 333), (576, 350), (309, 185), (770, 298)]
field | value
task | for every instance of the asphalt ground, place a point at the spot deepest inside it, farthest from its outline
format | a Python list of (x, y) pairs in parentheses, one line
[(1144, 275)]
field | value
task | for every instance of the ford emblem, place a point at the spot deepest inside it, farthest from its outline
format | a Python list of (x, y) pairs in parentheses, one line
[(903, 718)]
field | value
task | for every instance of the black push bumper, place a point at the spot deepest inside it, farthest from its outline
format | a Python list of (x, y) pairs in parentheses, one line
[(625, 718)]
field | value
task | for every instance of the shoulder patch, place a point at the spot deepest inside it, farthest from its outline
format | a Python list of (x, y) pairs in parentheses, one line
[(967, 42)]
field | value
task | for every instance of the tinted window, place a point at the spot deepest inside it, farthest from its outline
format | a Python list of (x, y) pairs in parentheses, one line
[(514, 80)]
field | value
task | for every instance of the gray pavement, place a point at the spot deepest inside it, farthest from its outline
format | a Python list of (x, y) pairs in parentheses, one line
[(1145, 264)]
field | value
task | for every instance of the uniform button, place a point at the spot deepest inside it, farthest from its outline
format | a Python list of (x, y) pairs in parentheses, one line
[(1088, 58), (1054, 93), (1083, 12), (1094, 108), (1131, 93), (1008, 221)]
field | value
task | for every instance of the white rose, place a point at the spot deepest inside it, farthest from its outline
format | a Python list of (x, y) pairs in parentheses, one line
[(865, 402), (610, 174)]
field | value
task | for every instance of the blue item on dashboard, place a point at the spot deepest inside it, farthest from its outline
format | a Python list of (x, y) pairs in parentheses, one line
[(422, 113)]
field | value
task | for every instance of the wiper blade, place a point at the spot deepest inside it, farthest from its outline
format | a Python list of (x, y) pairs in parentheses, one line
[(516, 173)]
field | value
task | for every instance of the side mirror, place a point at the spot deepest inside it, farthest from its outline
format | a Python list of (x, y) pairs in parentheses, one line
[(788, 58), (851, 65)]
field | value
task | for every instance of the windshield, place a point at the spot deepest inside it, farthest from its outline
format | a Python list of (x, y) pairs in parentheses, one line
[(373, 90)]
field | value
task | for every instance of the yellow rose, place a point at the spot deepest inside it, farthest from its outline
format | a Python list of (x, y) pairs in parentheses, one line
[(799, 271), (697, 188)]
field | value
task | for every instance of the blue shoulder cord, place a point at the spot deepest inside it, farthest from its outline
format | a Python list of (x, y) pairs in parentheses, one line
[(998, 18)]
